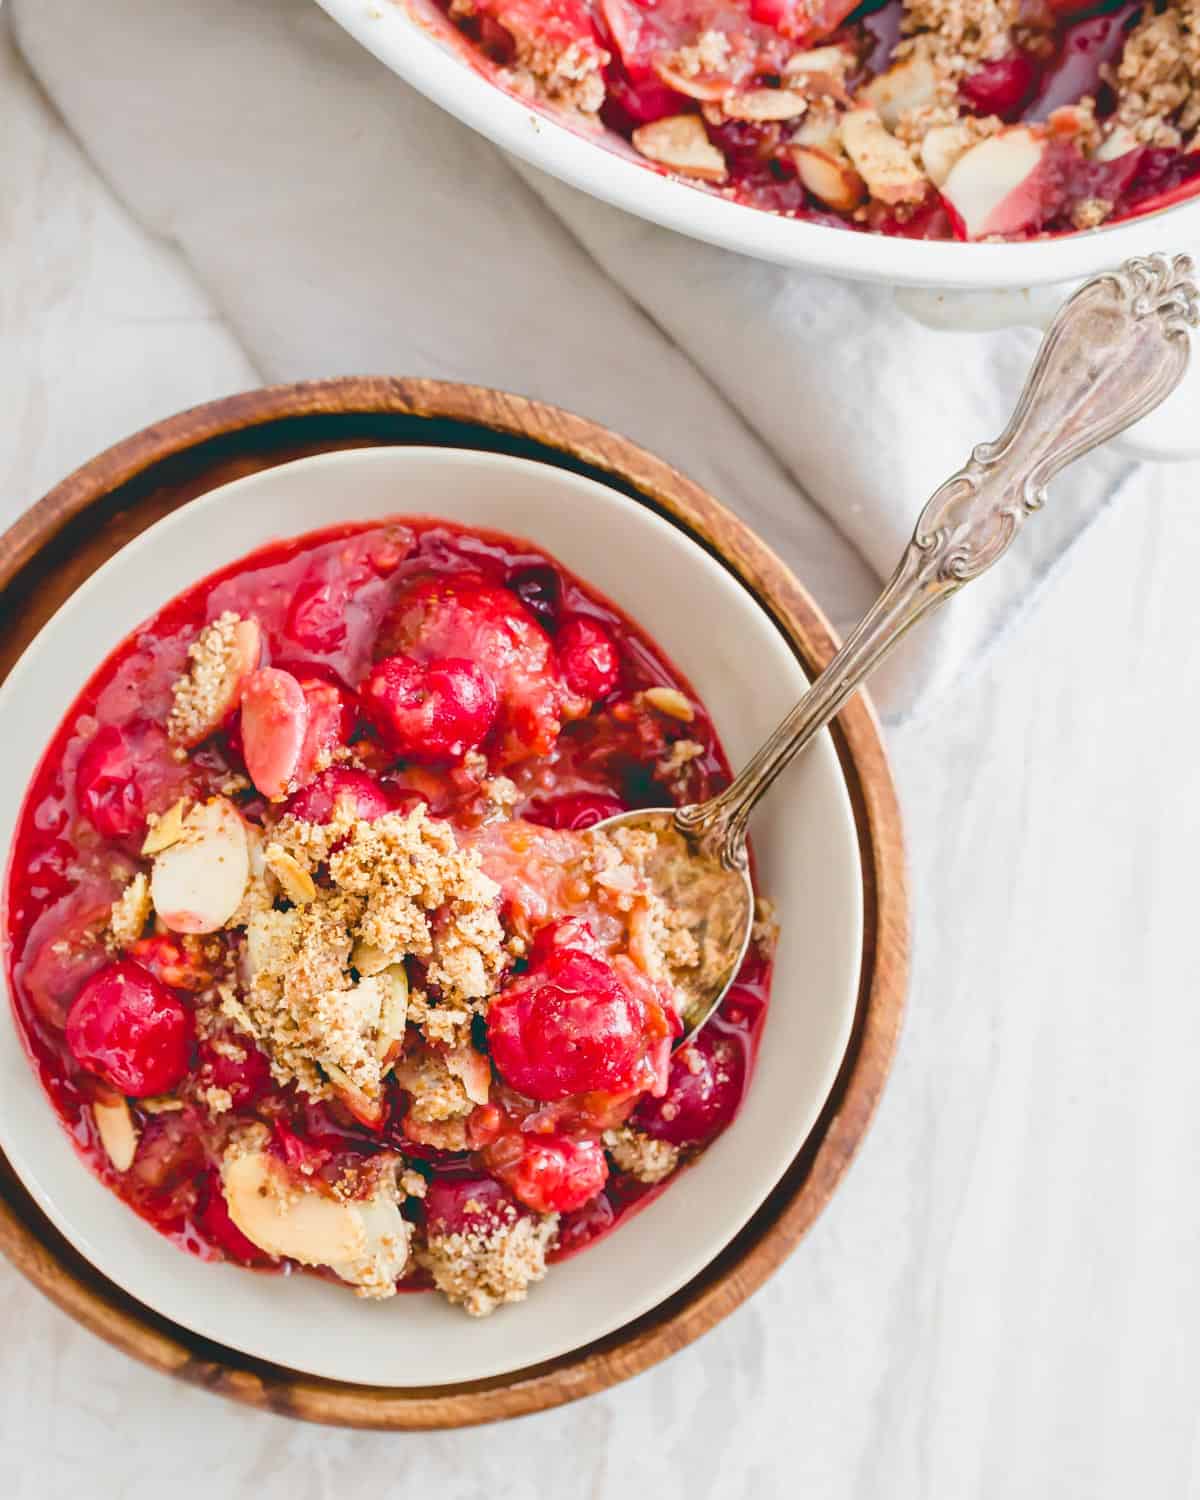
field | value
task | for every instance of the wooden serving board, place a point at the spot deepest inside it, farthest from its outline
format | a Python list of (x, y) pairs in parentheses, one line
[(85, 519)]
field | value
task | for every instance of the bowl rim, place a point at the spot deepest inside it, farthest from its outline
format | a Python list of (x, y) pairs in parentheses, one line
[(399, 37), (485, 416)]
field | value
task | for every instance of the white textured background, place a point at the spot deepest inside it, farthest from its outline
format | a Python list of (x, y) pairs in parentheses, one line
[(1003, 1299)]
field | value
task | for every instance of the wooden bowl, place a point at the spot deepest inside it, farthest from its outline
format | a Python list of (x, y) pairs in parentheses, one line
[(62, 539)]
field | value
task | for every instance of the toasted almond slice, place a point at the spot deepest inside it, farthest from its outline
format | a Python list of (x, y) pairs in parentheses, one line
[(161, 1104), (368, 1109), (130, 911), (118, 1134), (941, 148), (997, 187), (829, 176), (393, 1014), (274, 726), (884, 164), (294, 880), (681, 143), (706, 87), (472, 1070), (670, 701), (365, 1242), (165, 830), (764, 105), (834, 61), (369, 959), (911, 83), (1118, 142), (198, 881)]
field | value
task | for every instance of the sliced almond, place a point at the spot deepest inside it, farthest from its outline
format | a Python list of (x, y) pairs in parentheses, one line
[(941, 147), (294, 880), (118, 1134), (833, 61), (670, 701), (368, 1109), (369, 959), (882, 161), (365, 1242), (681, 143), (472, 1070), (909, 84), (829, 177), (706, 87), (998, 186), (165, 830), (161, 1104), (393, 1014), (1118, 142), (199, 880), (764, 105)]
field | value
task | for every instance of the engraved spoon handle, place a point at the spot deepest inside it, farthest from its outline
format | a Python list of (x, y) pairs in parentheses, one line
[(1116, 349)]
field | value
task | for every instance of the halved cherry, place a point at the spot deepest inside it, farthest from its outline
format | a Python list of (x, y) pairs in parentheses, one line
[(274, 726), (230, 1060), (588, 657), (430, 710), (549, 1173), (316, 619), (129, 1029), (1003, 86)]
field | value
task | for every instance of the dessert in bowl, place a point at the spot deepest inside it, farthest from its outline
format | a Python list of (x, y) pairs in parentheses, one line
[(1042, 135), (458, 1143)]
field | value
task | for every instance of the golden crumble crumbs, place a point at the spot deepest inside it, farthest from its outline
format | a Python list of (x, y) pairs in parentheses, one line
[(640, 1155), (205, 691), (130, 912), (1157, 79), (481, 1270)]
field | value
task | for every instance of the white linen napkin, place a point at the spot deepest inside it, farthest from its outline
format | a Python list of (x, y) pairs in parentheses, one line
[(339, 223)]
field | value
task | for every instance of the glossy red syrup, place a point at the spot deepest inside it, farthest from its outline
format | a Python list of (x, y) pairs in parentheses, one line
[(321, 600)]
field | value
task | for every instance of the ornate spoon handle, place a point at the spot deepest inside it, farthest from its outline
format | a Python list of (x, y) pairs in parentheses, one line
[(1117, 348)]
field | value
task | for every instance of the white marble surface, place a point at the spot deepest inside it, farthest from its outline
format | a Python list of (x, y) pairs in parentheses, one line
[(1002, 1299)]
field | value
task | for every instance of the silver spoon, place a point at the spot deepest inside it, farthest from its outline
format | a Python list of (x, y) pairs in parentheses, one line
[(1115, 350)]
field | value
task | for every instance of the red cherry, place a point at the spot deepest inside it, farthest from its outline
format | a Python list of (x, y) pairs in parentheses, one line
[(566, 935), (467, 1205), (568, 1026), (589, 658), (231, 1061), (576, 812), (178, 964), (1001, 87), (429, 711), (274, 727), (129, 1029), (549, 1173), (464, 617), (105, 789), (315, 802), (704, 1088)]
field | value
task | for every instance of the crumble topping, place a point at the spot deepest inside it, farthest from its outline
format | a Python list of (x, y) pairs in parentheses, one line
[(957, 35), (207, 686), (481, 1270), (400, 887), (1158, 75), (130, 912), (570, 76), (640, 1155)]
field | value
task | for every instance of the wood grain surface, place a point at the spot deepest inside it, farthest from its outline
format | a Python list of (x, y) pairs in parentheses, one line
[(62, 539)]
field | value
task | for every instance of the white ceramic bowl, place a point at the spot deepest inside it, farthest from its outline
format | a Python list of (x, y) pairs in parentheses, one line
[(407, 41), (805, 837)]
